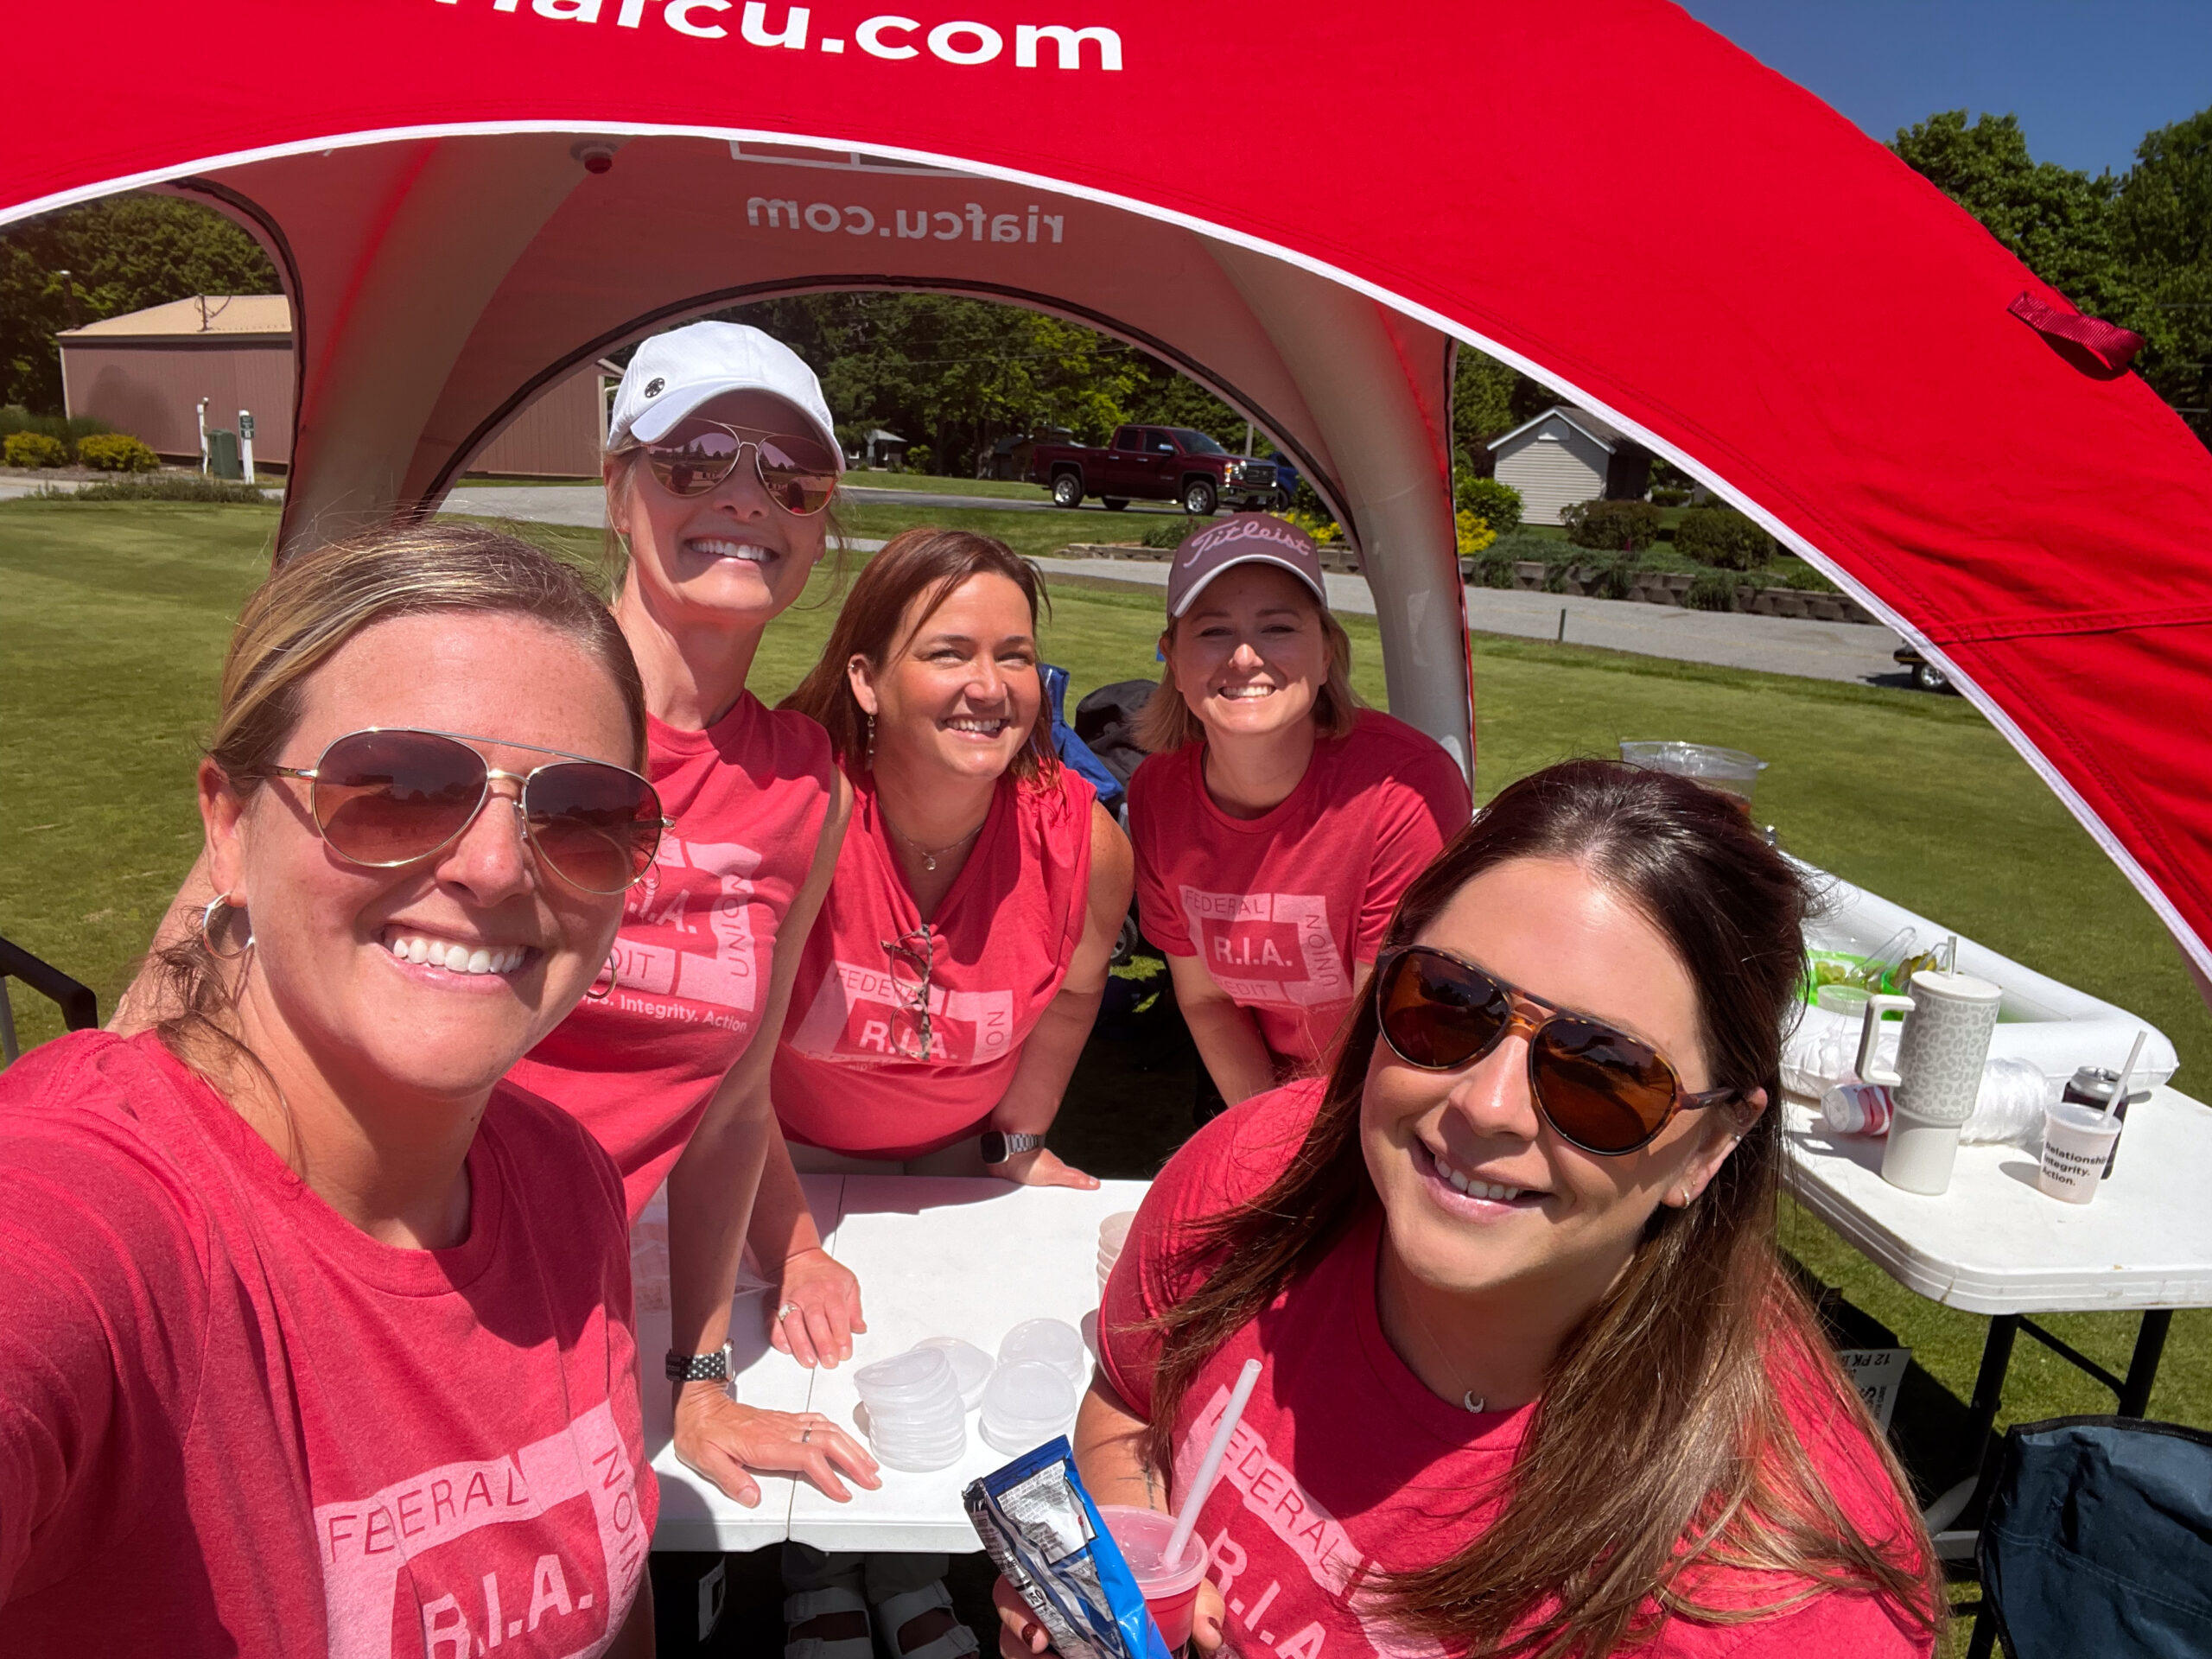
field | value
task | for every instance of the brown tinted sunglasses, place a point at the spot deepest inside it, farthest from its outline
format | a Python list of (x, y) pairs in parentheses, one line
[(798, 473), (1599, 1089)]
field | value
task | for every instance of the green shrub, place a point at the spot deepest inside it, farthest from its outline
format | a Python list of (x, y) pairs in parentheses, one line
[(33, 449), (116, 452), (1524, 544), (1669, 495), (1491, 569), (173, 486), (1711, 590), (1612, 526), (1724, 539), (1613, 579), (1170, 532), (69, 429), (1497, 505)]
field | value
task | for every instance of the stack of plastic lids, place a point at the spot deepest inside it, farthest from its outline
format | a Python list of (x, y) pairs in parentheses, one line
[(916, 1421), (1025, 1404), (1113, 1234), (971, 1366), (1049, 1342)]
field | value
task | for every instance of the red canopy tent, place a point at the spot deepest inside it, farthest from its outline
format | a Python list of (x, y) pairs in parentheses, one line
[(1308, 212)]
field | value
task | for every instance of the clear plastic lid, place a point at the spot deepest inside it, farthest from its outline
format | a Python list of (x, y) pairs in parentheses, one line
[(1028, 1391), (971, 1366), (1053, 1342), (919, 1374)]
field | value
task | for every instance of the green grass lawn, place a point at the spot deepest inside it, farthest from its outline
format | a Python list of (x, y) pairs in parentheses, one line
[(116, 616)]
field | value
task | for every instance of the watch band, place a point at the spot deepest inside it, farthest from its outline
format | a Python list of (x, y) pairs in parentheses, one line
[(712, 1366), (1004, 1144)]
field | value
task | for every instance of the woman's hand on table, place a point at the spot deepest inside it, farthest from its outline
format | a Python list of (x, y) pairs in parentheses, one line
[(1020, 1635), (1041, 1166), (817, 1309), (726, 1440)]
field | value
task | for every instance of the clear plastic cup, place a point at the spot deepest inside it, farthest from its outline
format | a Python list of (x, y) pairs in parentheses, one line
[(1170, 1589), (1051, 1342), (2077, 1141), (972, 1367), (1730, 771), (919, 1376)]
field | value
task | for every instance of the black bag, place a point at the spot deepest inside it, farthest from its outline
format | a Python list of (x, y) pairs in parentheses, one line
[(2099, 1541), (1107, 720)]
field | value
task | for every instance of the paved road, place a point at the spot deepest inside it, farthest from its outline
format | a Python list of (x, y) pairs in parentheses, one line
[(1775, 644)]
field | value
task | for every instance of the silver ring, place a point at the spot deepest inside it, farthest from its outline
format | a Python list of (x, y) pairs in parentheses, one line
[(787, 1309), (806, 1434)]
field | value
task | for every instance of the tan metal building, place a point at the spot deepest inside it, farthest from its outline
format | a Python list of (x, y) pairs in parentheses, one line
[(145, 372), (1566, 455)]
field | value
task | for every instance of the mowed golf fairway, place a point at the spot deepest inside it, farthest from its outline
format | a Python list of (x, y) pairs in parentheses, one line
[(113, 617)]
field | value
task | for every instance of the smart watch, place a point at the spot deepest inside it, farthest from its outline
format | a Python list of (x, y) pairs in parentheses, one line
[(999, 1146), (713, 1366)]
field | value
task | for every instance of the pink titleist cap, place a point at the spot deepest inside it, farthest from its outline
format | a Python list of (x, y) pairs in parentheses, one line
[(1245, 538)]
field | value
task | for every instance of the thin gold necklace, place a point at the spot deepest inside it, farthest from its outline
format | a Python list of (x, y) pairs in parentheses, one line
[(931, 854), (1468, 1398)]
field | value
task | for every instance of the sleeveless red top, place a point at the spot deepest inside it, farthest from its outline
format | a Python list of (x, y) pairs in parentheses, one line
[(749, 795), (854, 1070)]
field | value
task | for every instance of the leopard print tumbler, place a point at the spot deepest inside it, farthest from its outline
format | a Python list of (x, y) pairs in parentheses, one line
[(1940, 1059)]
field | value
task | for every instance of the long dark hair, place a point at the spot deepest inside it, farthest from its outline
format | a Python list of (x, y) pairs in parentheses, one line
[(928, 565), (1660, 1447)]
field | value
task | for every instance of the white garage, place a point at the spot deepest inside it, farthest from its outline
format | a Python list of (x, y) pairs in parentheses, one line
[(1566, 455)]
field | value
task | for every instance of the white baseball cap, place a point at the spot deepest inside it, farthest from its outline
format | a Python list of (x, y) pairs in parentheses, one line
[(673, 374)]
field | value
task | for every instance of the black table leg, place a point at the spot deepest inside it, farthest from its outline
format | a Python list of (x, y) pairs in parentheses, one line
[(2143, 1369), (1989, 1385)]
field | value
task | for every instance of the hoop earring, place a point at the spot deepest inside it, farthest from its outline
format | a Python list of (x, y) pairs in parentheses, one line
[(207, 931), (591, 992), (871, 742)]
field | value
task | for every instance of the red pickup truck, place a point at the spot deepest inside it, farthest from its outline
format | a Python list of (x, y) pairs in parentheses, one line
[(1156, 463)]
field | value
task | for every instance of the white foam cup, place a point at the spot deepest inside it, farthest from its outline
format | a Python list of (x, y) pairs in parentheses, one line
[(2076, 1140)]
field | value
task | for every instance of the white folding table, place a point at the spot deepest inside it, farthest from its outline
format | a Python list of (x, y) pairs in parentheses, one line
[(1993, 1243), (936, 1257)]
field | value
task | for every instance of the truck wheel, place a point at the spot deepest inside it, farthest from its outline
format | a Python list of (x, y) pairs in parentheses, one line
[(1115, 503), (1199, 498), (1928, 678), (1067, 490), (1279, 502)]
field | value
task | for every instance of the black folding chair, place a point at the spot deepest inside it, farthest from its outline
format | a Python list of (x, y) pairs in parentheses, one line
[(81, 1010), (2099, 1541)]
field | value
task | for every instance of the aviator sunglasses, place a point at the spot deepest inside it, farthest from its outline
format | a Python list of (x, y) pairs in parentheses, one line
[(798, 474), (1599, 1089), (391, 795)]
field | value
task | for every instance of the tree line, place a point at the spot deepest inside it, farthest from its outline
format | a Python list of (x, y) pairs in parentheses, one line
[(955, 376)]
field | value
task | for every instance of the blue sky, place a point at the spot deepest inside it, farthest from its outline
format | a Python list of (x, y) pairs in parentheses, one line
[(2087, 78)]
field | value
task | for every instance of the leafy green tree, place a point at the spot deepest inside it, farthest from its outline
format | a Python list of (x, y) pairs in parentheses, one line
[(2162, 230), (123, 253), (2053, 218)]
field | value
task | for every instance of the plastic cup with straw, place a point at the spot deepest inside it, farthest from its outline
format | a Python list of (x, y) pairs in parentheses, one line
[(1165, 1561)]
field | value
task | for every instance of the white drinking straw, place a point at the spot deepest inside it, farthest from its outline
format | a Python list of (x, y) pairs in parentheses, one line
[(2119, 1092), (1188, 1520)]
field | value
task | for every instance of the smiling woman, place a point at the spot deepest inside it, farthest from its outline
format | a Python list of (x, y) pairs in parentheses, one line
[(249, 1257), (1511, 1276), (1277, 821)]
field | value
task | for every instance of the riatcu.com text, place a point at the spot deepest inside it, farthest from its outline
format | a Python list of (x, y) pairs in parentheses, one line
[(1058, 46)]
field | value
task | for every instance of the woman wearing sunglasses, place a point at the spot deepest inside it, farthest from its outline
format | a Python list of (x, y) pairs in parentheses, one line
[(1277, 821), (1534, 1378), (315, 1326), (720, 462)]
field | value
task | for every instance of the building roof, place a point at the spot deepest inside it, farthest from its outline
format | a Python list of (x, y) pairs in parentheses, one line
[(1603, 433), (269, 315)]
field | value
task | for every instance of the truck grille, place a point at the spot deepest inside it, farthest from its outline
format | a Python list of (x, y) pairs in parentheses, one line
[(1259, 475)]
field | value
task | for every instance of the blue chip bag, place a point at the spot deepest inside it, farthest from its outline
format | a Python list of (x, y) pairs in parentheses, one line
[(1044, 1534)]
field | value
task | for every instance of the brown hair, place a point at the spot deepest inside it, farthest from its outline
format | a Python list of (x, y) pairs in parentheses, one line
[(920, 566), (1661, 1448), (1165, 720), (310, 607)]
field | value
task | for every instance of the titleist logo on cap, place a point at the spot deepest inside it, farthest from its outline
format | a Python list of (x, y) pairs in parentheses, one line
[(1253, 529)]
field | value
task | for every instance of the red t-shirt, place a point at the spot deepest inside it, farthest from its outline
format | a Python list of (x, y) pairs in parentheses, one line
[(1344, 1459), (1282, 907), (749, 796), (230, 1422), (850, 1074)]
